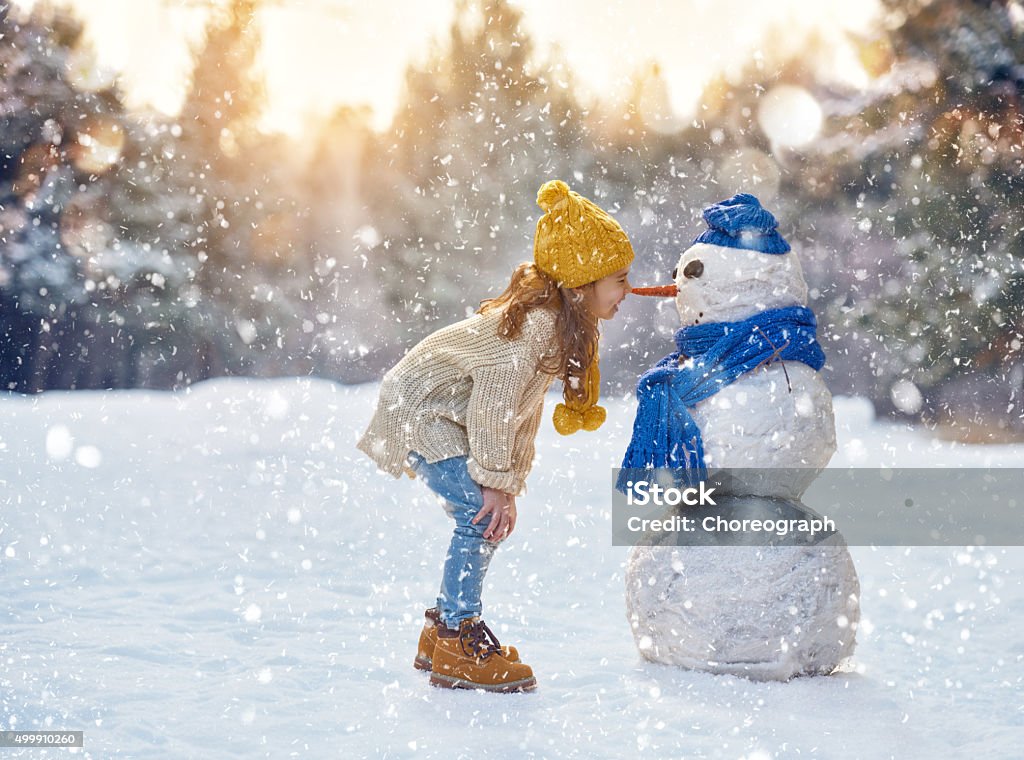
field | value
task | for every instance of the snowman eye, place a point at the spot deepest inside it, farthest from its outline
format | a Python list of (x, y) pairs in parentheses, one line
[(675, 270), (693, 270)]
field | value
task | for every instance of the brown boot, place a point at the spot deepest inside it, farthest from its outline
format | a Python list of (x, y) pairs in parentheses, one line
[(428, 640), (471, 658)]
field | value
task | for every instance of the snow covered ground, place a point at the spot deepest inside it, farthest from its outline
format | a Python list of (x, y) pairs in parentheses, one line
[(219, 573)]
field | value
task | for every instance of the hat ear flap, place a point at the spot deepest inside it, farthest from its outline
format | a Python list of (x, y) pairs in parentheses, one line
[(582, 414)]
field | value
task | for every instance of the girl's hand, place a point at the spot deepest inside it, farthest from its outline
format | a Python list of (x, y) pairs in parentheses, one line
[(501, 507)]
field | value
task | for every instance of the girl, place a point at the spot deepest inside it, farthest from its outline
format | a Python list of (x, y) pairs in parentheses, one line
[(461, 410)]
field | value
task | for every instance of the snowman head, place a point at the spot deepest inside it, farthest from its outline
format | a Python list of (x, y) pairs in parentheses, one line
[(740, 266)]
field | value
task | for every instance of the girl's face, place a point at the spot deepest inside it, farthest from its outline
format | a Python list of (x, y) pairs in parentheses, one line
[(603, 297)]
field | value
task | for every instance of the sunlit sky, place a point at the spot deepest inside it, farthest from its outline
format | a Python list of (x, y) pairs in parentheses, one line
[(320, 53)]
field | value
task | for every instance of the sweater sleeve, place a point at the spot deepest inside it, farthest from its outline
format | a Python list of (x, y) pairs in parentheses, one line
[(525, 446), (493, 415)]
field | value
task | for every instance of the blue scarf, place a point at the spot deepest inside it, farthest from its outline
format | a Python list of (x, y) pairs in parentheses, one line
[(664, 432)]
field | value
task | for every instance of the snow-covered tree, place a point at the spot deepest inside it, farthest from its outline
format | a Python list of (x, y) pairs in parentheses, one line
[(58, 144), (931, 161)]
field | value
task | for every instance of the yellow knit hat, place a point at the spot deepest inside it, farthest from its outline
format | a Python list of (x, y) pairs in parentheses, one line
[(576, 241)]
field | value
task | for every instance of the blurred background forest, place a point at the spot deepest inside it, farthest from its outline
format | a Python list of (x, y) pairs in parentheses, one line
[(139, 249)]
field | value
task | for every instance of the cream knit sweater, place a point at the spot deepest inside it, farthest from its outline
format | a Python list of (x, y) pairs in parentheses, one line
[(464, 390)]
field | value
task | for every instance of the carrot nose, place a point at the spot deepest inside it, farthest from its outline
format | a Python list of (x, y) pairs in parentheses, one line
[(666, 291)]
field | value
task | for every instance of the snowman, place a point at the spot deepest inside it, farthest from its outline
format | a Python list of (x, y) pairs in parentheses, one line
[(741, 400)]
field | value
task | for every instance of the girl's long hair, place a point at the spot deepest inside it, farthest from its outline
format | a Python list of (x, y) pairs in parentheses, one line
[(530, 289)]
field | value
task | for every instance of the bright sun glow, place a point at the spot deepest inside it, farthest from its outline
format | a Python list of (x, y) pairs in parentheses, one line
[(318, 55)]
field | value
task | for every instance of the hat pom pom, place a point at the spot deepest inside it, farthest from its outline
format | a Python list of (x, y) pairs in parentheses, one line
[(568, 421), (552, 194), (594, 418)]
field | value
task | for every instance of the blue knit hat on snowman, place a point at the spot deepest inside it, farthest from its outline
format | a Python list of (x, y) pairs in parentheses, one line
[(741, 222)]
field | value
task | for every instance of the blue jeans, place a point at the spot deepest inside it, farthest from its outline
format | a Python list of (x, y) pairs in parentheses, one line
[(469, 553)]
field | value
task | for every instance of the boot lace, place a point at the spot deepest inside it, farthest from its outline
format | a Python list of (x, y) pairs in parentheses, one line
[(481, 640)]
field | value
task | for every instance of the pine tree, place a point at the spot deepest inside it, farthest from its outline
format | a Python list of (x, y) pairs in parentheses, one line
[(59, 148), (935, 173), (480, 128), (98, 276), (218, 122)]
